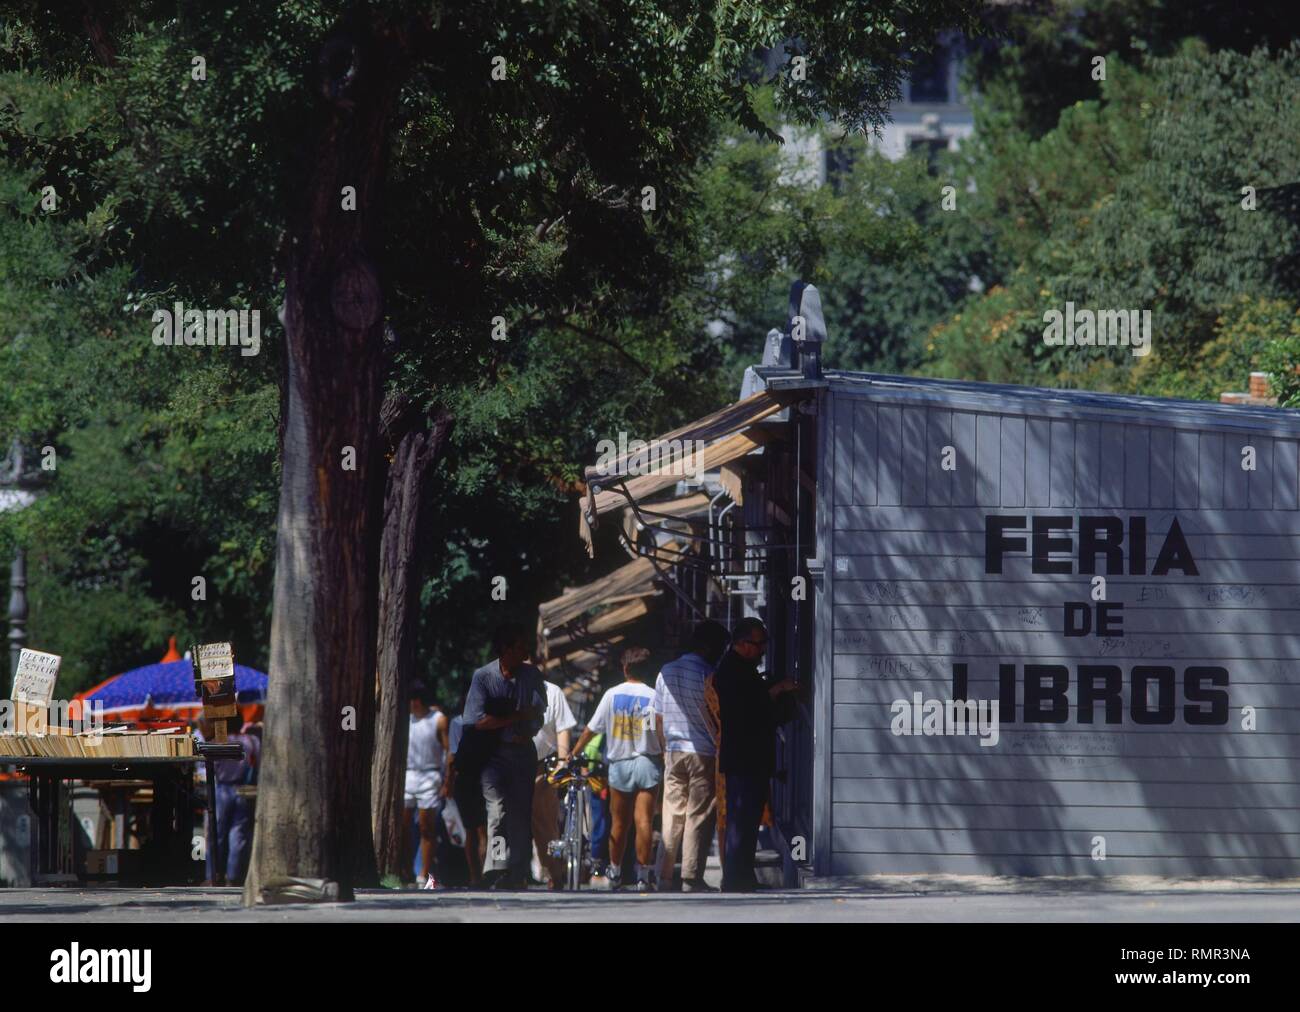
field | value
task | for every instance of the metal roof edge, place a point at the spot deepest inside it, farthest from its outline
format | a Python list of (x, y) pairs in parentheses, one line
[(990, 395)]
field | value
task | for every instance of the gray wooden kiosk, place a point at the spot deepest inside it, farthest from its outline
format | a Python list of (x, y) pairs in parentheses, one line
[(1120, 574)]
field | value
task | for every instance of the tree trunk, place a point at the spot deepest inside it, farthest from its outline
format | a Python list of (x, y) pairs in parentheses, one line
[(313, 795), (399, 594)]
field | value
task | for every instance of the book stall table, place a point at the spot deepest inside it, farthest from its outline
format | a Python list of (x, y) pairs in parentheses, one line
[(56, 748), (165, 859), (127, 804)]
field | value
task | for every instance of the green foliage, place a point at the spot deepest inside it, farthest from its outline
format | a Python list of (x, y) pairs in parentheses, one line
[(1136, 201), (889, 260), (1274, 328), (516, 198), (1044, 64), (994, 339), (521, 199), (1249, 333)]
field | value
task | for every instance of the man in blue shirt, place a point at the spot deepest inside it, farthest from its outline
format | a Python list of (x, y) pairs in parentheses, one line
[(690, 771), (507, 701)]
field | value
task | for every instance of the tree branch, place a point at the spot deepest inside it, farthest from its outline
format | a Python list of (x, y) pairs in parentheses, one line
[(592, 335), (99, 40)]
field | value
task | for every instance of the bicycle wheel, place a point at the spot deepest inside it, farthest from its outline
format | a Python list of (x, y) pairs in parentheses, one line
[(573, 843)]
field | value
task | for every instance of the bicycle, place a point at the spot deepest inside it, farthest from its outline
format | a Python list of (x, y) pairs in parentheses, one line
[(572, 846)]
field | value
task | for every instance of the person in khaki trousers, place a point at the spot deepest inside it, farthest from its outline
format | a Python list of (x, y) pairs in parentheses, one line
[(690, 757)]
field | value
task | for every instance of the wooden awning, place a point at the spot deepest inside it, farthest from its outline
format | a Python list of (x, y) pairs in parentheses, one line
[(685, 506), (579, 660), (622, 593), (599, 627), (729, 434), (635, 577), (721, 423)]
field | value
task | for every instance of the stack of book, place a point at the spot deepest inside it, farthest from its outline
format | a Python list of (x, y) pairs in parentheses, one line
[(112, 742)]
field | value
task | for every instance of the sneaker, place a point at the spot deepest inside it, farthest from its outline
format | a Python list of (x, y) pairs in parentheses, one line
[(431, 883), (697, 886), (645, 876), (614, 876)]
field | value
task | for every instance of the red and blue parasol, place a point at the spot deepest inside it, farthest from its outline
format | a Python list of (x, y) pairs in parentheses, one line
[(165, 692)]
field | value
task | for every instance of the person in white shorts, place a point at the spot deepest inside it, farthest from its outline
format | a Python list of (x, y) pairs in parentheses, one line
[(426, 767), (626, 717)]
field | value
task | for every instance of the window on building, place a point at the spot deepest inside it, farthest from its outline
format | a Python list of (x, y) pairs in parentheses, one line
[(929, 148), (929, 80), (839, 164)]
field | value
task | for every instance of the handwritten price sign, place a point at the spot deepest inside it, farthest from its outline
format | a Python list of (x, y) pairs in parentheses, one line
[(35, 677)]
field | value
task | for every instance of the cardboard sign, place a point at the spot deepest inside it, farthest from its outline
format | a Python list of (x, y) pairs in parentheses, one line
[(35, 677), (214, 678), (214, 660)]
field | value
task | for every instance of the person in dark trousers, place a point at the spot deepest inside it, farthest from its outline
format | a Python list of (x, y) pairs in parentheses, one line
[(598, 807), (464, 786), (747, 713), (234, 813), (508, 699)]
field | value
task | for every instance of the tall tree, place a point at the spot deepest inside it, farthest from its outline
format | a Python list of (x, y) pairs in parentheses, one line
[(519, 170), (320, 730), (416, 445), (667, 74)]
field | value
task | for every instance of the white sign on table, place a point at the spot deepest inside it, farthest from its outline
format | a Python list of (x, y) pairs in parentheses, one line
[(34, 680)]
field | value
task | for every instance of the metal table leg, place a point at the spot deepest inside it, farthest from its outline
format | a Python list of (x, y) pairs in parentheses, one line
[(212, 819)]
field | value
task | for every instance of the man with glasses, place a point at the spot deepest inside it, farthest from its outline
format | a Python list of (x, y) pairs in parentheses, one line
[(747, 713)]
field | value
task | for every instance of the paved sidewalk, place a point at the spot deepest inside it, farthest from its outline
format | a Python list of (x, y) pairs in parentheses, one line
[(882, 901)]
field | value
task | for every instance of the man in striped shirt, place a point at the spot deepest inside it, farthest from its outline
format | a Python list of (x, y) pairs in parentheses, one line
[(686, 735)]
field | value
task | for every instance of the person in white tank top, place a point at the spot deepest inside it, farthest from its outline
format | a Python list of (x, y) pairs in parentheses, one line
[(426, 768)]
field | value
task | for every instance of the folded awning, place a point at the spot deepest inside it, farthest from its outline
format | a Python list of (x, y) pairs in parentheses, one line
[(619, 592), (678, 509), (580, 661), (599, 627), (637, 577), (665, 460)]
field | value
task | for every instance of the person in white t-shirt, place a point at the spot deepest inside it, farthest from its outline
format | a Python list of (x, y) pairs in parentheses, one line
[(426, 768), (626, 717), (552, 738)]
